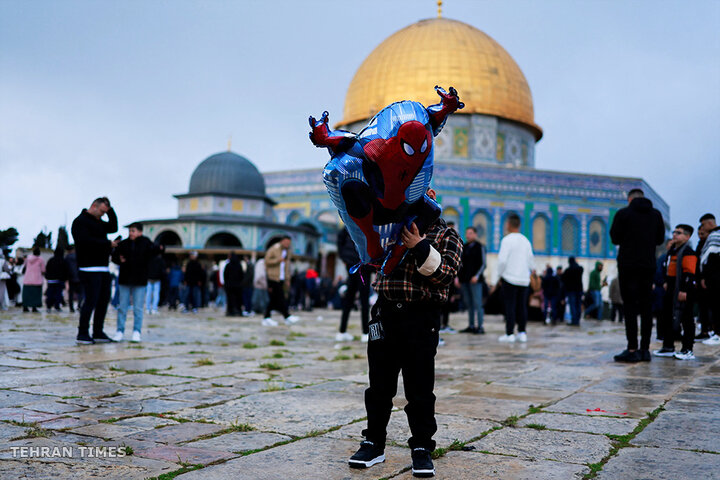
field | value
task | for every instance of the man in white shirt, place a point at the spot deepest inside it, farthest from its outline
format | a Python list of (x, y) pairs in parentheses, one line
[(515, 262)]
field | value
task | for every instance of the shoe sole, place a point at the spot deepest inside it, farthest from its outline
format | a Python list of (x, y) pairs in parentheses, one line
[(423, 473), (84, 342), (368, 464), (102, 340), (664, 354)]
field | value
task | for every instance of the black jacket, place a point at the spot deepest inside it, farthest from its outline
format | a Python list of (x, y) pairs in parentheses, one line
[(194, 274), (572, 278), (233, 274), (57, 269), (346, 248), (637, 229), (156, 268), (91, 243), (550, 284), (473, 260), (137, 254)]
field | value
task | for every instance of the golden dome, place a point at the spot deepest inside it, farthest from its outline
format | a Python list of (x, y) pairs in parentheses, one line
[(444, 52)]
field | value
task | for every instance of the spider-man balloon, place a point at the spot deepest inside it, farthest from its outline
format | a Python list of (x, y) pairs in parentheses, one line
[(377, 178)]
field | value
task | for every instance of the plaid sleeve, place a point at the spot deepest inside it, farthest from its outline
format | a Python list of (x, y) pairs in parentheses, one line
[(450, 249)]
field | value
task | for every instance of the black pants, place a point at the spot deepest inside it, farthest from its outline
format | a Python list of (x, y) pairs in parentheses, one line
[(669, 331), (97, 297), (234, 300), (277, 299), (636, 292), (409, 346), (356, 284), (54, 295), (516, 300), (75, 289)]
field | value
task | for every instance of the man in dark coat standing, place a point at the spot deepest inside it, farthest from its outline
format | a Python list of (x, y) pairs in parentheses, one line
[(358, 282), (637, 230), (133, 255), (93, 255)]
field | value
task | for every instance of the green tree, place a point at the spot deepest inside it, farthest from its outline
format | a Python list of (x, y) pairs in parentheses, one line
[(8, 237), (63, 241), (43, 240)]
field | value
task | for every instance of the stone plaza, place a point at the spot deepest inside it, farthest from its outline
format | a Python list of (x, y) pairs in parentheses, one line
[(210, 397)]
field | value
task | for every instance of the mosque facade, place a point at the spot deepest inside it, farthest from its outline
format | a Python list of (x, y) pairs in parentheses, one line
[(485, 155), (226, 209), (484, 164)]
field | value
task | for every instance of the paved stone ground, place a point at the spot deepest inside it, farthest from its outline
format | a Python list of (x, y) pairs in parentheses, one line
[(207, 397)]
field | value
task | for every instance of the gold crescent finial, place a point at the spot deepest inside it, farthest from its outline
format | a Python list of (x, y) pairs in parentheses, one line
[(439, 3), (229, 142)]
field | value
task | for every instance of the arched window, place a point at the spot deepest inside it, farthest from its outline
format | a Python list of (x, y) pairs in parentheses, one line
[(450, 214), (541, 234), (169, 238), (569, 236), (293, 217), (223, 239), (596, 237), (483, 224)]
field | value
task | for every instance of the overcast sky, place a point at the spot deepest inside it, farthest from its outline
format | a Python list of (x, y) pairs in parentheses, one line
[(125, 98)]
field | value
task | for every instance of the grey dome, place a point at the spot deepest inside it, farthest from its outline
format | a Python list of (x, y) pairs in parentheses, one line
[(227, 173)]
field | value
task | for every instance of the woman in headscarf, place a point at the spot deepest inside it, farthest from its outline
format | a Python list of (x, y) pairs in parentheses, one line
[(33, 281)]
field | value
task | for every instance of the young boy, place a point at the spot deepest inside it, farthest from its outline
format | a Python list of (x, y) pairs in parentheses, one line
[(679, 286)]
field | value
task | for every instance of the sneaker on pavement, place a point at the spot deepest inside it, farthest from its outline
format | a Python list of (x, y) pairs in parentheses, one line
[(135, 336), (291, 320), (645, 356), (269, 322), (714, 340), (702, 336), (118, 336), (367, 456), (441, 342), (664, 352), (628, 356), (507, 338), (101, 338), (84, 339), (343, 337), (194, 310), (364, 338), (685, 355), (422, 464), (447, 329), (468, 330), (522, 337), (480, 330)]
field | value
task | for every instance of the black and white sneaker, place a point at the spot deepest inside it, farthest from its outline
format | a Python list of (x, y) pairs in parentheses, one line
[(101, 338), (422, 464), (664, 352), (84, 339), (368, 455)]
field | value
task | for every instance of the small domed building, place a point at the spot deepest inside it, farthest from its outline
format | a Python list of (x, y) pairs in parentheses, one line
[(485, 155), (226, 208)]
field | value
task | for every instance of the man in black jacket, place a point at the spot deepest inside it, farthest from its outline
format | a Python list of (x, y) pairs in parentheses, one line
[(356, 282), (573, 287), (133, 255), (93, 254), (469, 276), (637, 229), (194, 279)]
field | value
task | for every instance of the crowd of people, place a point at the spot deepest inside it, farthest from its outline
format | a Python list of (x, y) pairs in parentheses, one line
[(662, 290), (668, 283)]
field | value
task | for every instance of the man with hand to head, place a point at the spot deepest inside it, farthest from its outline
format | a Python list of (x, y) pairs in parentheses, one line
[(93, 255)]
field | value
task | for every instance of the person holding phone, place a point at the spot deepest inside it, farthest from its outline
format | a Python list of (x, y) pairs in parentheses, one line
[(93, 253)]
